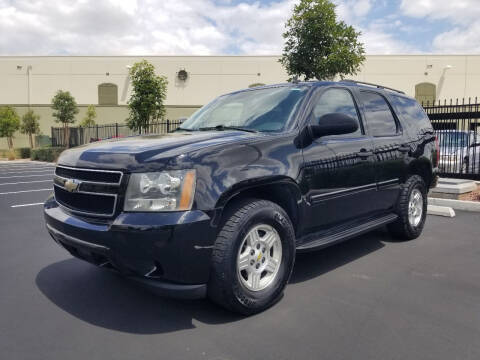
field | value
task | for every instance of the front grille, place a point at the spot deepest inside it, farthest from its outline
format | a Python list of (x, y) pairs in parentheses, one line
[(86, 191)]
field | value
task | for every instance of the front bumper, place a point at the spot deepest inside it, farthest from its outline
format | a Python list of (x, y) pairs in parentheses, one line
[(168, 252)]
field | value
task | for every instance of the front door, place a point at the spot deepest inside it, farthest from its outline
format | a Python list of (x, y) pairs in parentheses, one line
[(339, 170)]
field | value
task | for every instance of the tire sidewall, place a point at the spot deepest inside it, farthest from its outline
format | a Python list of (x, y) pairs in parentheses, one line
[(419, 185), (260, 299)]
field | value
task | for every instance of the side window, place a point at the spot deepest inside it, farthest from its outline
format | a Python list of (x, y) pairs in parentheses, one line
[(378, 115), (411, 112), (337, 101)]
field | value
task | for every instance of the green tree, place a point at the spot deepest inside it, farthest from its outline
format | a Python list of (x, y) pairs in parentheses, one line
[(148, 94), (90, 116), (9, 123), (65, 108), (30, 125), (317, 45)]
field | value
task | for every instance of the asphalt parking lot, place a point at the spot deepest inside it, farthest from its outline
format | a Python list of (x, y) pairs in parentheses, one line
[(369, 298)]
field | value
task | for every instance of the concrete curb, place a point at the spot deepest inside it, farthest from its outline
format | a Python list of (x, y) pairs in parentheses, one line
[(440, 211), (456, 204)]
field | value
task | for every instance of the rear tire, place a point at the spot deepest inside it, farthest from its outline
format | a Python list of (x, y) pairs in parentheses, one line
[(411, 209), (252, 258)]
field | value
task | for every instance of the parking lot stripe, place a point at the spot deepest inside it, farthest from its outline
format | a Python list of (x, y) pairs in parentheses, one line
[(25, 165), (21, 176), (23, 205), (26, 182), (25, 172), (28, 168), (24, 191)]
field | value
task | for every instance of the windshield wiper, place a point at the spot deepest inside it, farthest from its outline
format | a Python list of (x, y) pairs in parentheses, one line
[(184, 129), (226, 127)]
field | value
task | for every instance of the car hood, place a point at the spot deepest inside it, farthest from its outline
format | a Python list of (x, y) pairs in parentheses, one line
[(148, 152)]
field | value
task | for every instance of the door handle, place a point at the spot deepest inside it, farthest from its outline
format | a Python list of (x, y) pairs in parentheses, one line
[(364, 154)]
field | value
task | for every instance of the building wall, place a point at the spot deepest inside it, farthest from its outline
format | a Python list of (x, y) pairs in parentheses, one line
[(461, 80), (34, 80)]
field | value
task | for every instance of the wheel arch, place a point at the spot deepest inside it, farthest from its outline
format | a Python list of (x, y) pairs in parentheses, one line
[(423, 168), (282, 191)]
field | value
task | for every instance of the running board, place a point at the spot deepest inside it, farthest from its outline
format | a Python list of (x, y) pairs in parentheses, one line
[(312, 242)]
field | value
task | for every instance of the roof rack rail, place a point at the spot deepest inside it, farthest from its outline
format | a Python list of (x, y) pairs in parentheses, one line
[(375, 85)]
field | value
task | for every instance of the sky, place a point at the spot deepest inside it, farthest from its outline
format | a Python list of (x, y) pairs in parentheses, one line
[(226, 27)]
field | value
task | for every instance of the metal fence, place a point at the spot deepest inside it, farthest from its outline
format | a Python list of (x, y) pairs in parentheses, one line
[(457, 126), (84, 135)]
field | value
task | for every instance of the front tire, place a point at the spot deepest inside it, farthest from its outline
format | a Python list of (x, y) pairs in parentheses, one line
[(411, 209), (253, 257)]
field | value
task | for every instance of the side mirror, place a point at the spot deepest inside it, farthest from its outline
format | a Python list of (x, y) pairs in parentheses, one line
[(334, 124)]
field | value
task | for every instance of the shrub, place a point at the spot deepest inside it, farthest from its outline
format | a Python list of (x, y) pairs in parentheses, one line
[(24, 153), (49, 154)]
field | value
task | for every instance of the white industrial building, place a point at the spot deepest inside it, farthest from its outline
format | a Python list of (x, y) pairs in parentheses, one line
[(31, 81)]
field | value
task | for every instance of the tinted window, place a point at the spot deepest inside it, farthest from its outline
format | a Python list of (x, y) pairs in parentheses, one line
[(378, 114), (336, 101), (270, 109), (411, 112)]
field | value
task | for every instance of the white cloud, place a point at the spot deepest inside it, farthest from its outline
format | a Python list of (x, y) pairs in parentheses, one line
[(201, 27), (459, 40), (464, 14), (171, 27), (377, 35), (351, 10), (454, 10)]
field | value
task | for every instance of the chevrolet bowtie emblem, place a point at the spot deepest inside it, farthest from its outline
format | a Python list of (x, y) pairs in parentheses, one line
[(71, 185)]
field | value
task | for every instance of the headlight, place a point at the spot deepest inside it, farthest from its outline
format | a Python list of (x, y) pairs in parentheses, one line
[(160, 191)]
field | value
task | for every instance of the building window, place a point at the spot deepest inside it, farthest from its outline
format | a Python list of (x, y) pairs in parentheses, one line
[(107, 94), (425, 93)]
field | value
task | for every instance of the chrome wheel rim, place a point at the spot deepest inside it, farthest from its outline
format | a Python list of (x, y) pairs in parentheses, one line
[(415, 207), (259, 257)]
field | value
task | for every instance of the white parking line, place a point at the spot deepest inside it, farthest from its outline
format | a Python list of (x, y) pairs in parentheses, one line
[(25, 172), (22, 176), (23, 205), (24, 191), (28, 168), (26, 182)]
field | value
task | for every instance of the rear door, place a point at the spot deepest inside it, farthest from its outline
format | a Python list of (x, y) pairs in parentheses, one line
[(391, 147), (339, 173)]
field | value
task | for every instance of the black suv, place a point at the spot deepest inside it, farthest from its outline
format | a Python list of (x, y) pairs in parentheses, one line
[(220, 206)]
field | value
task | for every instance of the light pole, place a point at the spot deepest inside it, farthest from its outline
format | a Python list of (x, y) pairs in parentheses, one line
[(126, 83), (29, 75)]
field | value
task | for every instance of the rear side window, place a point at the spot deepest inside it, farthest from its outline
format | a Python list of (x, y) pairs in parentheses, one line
[(411, 112), (337, 101), (380, 119)]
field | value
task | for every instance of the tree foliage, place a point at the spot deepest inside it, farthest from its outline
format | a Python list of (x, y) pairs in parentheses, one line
[(30, 125), (90, 116), (317, 45), (65, 108), (9, 123), (148, 94)]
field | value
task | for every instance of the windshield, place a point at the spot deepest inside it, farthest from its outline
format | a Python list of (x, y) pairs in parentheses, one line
[(268, 109), (456, 139)]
